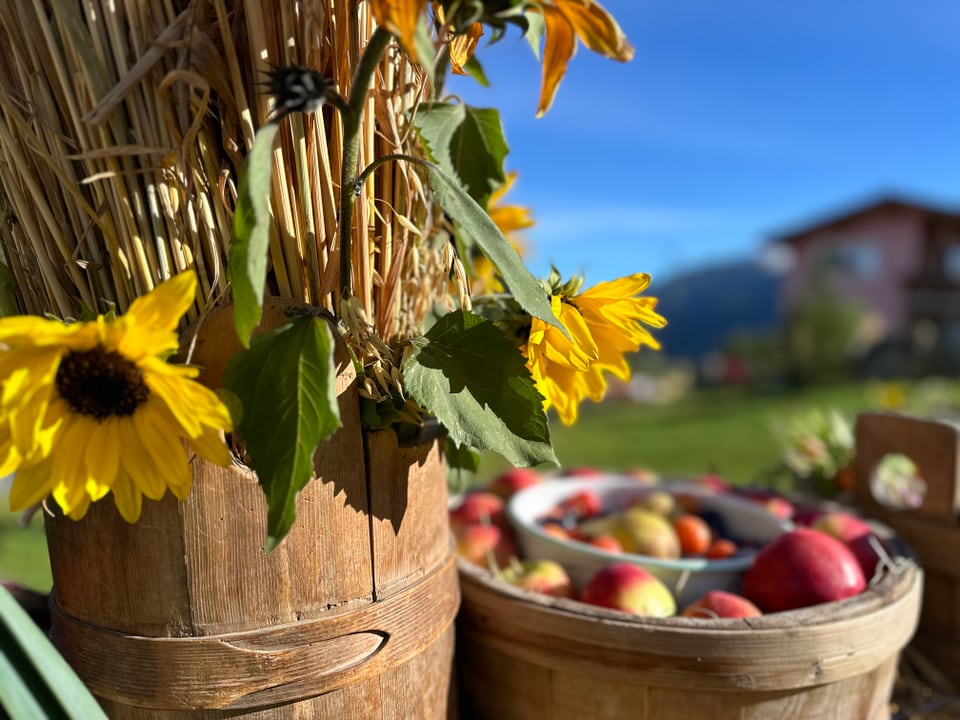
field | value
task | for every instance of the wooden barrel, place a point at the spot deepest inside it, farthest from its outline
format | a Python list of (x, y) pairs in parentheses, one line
[(524, 656), (183, 615)]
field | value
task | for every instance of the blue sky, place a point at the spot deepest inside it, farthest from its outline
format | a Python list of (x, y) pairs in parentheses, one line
[(733, 121)]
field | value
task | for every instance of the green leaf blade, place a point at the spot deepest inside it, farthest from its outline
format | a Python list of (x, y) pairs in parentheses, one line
[(467, 142), (526, 289), (35, 680), (474, 380), (286, 382), (250, 239)]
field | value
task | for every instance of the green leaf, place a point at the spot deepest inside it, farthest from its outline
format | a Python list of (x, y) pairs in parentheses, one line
[(286, 382), (250, 241), (524, 287), (474, 69), (35, 680), (469, 375), (462, 465), (535, 31), (467, 142)]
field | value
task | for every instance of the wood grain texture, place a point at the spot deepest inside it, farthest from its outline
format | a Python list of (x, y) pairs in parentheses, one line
[(931, 531), (935, 448), (184, 616), (522, 656)]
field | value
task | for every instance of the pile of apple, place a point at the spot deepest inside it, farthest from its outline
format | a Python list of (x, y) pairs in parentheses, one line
[(829, 555)]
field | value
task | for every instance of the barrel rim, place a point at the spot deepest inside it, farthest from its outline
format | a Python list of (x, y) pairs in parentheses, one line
[(797, 648)]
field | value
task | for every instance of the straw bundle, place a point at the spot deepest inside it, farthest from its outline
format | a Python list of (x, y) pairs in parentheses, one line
[(122, 129)]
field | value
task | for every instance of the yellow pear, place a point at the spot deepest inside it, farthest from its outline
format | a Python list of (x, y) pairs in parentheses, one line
[(647, 533)]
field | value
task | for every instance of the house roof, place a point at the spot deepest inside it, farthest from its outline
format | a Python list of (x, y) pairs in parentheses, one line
[(853, 212)]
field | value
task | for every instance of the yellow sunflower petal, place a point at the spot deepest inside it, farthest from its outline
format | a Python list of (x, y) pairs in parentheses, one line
[(139, 469), (35, 330), (168, 456), (191, 404), (621, 287), (68, 468), (31, 485), (210, 446), (462, 47), (10, 459), (399, 17), (596, 28), (102, 458), (80, 509), (558, 47), (148, 328), (127, 498), (162, 307)]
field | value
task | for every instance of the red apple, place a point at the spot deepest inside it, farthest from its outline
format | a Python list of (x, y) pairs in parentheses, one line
[(865, 553), (608, 543), (844, 526), (721, 604), (478, 506), (799, 568), (556, 530), (477, 543), (543, 576), (775, 503), (713, 481), (513, 481), (806, 515), (582, 504), (582, 471), (630, 588)]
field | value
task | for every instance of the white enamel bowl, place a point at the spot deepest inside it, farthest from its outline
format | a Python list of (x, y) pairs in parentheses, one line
[(689, 578)]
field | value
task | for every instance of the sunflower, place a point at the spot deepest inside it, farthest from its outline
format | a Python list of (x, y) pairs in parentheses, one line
[(604, 323), (90, 408)]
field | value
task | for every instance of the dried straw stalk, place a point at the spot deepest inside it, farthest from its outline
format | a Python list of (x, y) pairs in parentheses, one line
[(122, 130)]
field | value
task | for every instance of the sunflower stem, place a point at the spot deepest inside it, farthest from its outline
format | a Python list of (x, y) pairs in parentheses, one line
[(349, 181)]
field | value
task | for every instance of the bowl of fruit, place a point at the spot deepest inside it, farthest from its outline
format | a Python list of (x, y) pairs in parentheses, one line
[(692, 538)]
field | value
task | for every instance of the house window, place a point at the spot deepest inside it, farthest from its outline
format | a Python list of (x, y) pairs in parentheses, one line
[(860, 259)]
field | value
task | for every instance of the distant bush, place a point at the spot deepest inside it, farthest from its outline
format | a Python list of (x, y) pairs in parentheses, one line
[(822, 338)]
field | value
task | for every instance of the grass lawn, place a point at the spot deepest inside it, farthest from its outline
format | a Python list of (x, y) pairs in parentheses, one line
[(727, 430), (23, 552)]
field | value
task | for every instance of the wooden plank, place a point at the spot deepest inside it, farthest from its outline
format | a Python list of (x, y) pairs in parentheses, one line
[(233, 584), (932, 445), (932, 542), (937, 614), (408, 509), (127, 577)]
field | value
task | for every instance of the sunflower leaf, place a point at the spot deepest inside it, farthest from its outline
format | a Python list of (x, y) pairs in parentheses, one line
[(474, 380), (286, 383), (250, 240), (524, 287), (467, 142)]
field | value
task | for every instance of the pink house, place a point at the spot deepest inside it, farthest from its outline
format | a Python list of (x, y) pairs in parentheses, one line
[(900, 260)]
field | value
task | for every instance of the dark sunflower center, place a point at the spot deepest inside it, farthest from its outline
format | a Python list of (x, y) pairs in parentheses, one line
[(101, 383)]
